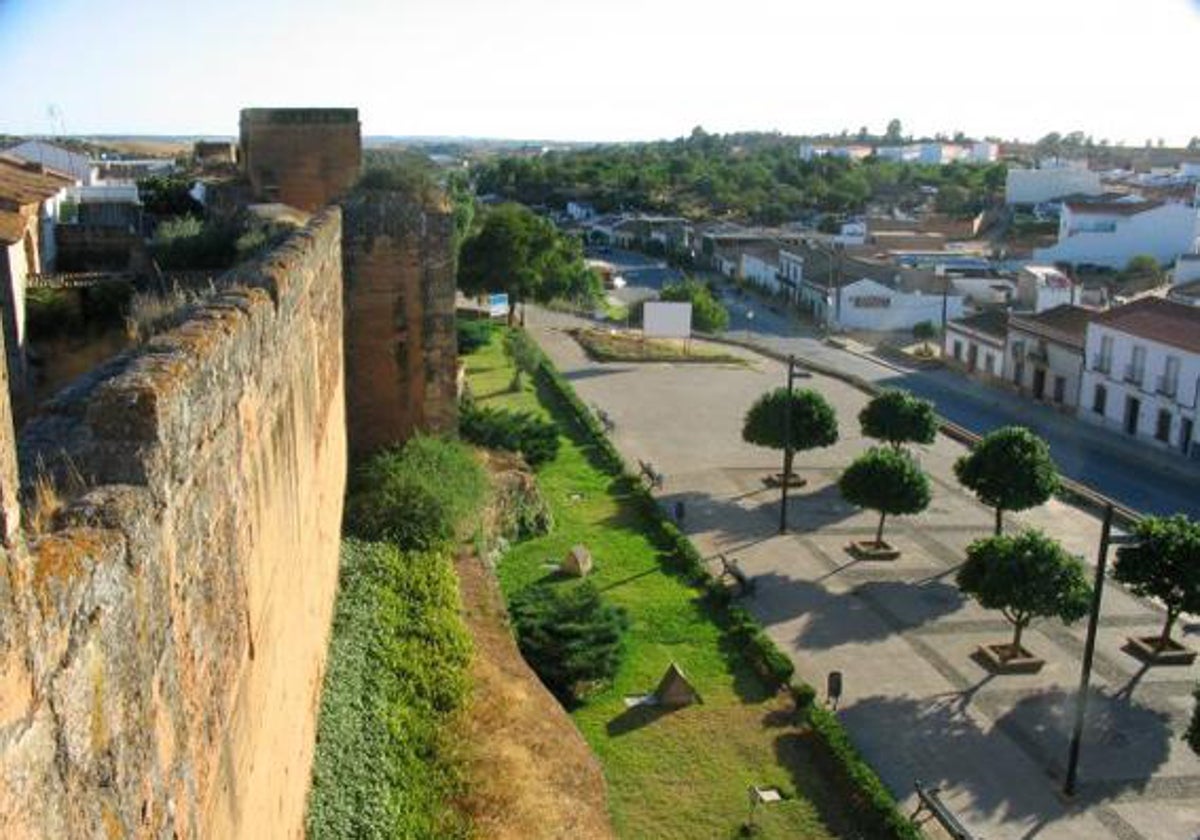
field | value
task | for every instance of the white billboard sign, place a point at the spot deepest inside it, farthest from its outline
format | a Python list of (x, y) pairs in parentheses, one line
[(667, 320)]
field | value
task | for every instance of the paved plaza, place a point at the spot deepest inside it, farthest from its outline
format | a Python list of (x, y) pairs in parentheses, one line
[(916, 702)]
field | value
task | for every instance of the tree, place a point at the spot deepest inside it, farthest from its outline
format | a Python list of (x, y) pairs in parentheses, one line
[(708, 313), (895, 132), (1164, 564), (897, 417), (568, 635), (814, 423), (1025, 577), (888, 481), (1143, 265), (525, 356), (1010, 469)]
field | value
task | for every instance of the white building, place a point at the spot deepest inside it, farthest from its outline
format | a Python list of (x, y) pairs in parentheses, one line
[(984, 291), (1112, 233), (1187, 268), (580, 211), (975, 344), (79, 167), (852, 233), (867, 304), (1143, 372), (760, 266), (984, 151), (1035, 186), (1044, 354), (1042, 287)]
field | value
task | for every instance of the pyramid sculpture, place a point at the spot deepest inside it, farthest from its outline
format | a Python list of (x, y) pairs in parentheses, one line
[(674, 690), (577, 563)]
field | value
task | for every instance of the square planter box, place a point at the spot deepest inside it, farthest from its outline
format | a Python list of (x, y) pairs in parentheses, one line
[(999, 660), (871, 550), (776, 480), (1146, 649)]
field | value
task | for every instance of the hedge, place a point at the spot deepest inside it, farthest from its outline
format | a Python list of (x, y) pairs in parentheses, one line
[(772, 664), (535, 438), (396, 674)]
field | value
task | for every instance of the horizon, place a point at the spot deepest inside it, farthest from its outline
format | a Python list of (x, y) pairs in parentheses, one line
[(628, 73)]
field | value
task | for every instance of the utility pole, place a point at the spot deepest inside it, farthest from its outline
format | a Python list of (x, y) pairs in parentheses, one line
[(1089, 649), (787, 445)]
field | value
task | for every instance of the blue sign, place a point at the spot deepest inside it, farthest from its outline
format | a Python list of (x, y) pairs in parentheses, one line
[(498, 305)]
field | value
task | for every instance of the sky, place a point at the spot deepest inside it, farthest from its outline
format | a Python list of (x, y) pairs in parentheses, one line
[(614, 70)]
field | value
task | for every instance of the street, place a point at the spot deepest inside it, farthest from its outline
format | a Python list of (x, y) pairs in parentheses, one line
[(1130, 473)]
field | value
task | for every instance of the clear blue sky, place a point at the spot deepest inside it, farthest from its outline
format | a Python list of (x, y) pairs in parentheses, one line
[(619, 69)]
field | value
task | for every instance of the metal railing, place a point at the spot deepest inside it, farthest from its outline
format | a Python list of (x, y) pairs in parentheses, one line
[(1168, 386), (1134, 374), (1101, 363)]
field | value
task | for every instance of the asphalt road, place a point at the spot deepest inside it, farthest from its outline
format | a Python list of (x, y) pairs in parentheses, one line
[(1132, 474)]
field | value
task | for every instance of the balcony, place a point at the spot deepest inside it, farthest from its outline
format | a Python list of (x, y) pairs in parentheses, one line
[(1168, 386), (1134, 374), (1101, 363), (1039, 355)]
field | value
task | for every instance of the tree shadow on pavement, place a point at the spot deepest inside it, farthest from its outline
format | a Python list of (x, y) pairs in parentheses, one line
[(937, 741), (870, 612)]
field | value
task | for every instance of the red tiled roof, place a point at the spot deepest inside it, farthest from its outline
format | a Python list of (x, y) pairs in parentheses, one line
[(1112, 208), (22, 183), (1156, 319), (1067, 321), (12, 227)]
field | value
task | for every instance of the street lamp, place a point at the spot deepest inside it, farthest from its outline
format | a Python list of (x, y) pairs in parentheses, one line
[(787, 444), (1089, 647)]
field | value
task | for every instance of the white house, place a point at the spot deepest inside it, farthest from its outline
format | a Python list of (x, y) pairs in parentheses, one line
[(1044, 353), (1187, 293), (984, 290), (1143, 373), (853, 232), (975, 344), (1035, 186), (867, 304), (580, 211), (984, 151), (1042, 287), (760, 265), (79, 167), (1111, 233)]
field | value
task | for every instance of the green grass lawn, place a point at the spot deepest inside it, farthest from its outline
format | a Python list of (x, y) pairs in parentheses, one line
[(682, 774)]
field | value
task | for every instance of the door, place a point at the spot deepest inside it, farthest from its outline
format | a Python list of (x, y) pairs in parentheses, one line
[(1133, 407), (1039, 383), (1060, 389), (1185, 434), (972, 357)]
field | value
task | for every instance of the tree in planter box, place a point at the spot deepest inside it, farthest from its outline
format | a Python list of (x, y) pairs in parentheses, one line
[(897, 417), (1026, 576), (1010, 469), (813, 423), (887, 481), (1164, 564)]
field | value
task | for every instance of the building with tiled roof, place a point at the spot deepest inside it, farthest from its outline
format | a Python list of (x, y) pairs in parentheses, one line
[(1143, 372), (1110, 234), (975, 344), (1044, 353)]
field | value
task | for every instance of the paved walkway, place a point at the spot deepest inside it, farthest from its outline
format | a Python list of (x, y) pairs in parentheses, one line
[(917, 704)]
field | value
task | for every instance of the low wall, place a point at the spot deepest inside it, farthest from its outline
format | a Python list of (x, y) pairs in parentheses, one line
[(162, 649)]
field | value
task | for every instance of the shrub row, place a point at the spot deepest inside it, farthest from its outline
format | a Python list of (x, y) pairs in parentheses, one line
[(535, 438), (396, 673), (473, 335), (420, 496), (772, 664)]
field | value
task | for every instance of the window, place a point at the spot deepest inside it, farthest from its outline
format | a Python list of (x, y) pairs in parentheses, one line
[(989, 362), (1163, 430), (1060, 389), (1100, 400), (958, 350), (1104, 362)]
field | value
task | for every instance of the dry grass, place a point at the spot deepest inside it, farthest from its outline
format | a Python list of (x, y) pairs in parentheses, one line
[(613, 346), (151, 314), (530, 773), (51, 496)]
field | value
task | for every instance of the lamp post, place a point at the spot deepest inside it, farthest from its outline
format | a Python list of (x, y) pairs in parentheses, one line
[(1089, 648), (787, 444)]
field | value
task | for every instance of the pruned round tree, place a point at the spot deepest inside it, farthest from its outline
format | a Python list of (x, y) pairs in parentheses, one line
[(1026, 576), (888, 481), (1010, 469), (897, 417), (1163, 564), (813, 423)]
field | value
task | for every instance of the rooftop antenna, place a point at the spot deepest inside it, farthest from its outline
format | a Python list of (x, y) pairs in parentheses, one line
[(54, 115)]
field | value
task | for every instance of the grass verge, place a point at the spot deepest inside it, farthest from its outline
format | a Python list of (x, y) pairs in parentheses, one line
[(682, 774), (396, 674)]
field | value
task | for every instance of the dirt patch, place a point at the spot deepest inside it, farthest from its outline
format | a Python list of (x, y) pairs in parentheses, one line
[(529, 771)]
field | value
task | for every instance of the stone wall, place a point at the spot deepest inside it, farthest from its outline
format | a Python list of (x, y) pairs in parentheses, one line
[(401, 345), (162, 648), (305, 157)]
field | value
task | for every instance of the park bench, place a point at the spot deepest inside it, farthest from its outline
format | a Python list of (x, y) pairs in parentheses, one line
[(931, 801), (653, 476), (605, 420), (732, 570)]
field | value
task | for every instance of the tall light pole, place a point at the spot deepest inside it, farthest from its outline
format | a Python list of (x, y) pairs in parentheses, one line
[(1089, 648), (787, 444)]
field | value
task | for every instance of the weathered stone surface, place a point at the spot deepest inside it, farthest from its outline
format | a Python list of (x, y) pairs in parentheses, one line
[(161, 654), (401, 345)]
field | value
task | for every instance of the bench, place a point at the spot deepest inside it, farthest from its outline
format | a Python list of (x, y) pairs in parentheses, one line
[(731, 569), (653, 476), (931, 801), (605, 420)]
